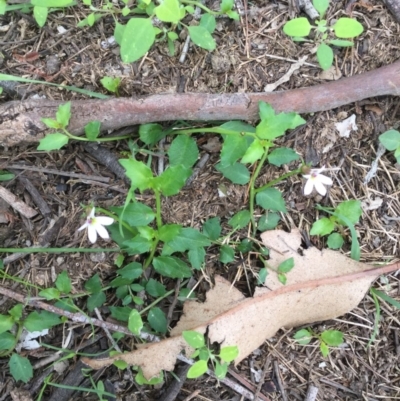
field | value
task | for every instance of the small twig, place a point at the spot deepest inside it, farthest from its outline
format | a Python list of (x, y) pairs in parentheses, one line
[(279, 381), (57, 172), (161, 158), (312, 392), (175, 387), (262, 378), (173, 303), (18, 205), (200, 164), (185, 50), (308, 8), (108, 334)]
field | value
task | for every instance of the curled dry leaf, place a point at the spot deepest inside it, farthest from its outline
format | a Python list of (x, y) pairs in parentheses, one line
[(322, 285)]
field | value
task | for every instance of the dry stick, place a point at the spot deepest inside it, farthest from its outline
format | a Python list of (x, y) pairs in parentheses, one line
[(21, 121), (312, 392)]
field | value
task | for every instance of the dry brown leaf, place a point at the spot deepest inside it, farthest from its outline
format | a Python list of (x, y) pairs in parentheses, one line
[(322, 285)]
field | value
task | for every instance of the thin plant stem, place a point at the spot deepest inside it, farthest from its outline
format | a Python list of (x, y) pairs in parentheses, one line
[(212, 130), (200, 5), (277, 180)]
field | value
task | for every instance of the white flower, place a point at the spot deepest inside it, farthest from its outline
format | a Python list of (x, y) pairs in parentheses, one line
[(95, 225), (316, 180)]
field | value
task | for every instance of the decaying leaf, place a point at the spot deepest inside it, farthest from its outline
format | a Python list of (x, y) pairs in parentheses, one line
[(322, 285)]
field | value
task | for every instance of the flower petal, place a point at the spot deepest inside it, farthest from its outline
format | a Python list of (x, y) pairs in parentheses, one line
[(308, 188), (91, 215), (104, 220), (92, 234), (101, 231), (324, 179), (319, 186), (83, 227)]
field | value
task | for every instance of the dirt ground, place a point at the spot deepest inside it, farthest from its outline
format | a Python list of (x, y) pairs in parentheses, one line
[(250, 54)]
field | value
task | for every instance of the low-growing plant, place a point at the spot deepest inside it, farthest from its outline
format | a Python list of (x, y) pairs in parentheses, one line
[(326, 339), (346, 214), (344, 28), (205, 354)]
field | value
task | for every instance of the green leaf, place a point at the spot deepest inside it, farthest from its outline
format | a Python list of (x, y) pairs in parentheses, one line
[(16, 312), (95, 301), (53, 142), (63, 282), (246, 245), (6, 176), (38, 321), (332, 337), (286, 266), (140, 379), (297, 27), (172, 180), (350, 209), (303, 336), (93, 285), (170, 266), (137, 245), (155, 288), (226, 5), (386, 298), (322, 226), (131, 271), (110, 83), (254, 152), (281, 156), (194, 339), (347, 28), (137, 39), (6, 323), (157, 320), (64, 114), (340, 43), (226, 254), (268, 221), (233, 148), (324, 349), (40, 15), (271, 199), (201, 37), (52, 3), (238, 126), (183, 151), (212, 228), (188, 238), (20, 368), (3, 5), (221, 369), (240, 219), (197, 369), (208, 22), (150, 134), (50, 293), (92, 130), (119, 32), (335, 241), (262, 276), (121, 313), (136, 214), (275, 126), (390, 139), (168, 232), (135, 323), (7, 341), (140, 175), (197, 257), (324, 56), (228, 354), (237, 173), (321, 6), (169, 11)]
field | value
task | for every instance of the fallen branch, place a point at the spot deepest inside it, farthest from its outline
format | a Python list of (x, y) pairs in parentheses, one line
[(20, 122)]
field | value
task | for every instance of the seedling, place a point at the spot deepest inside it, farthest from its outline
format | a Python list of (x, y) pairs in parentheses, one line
[(219, 362), (111, 84), (328, 338), (391, 141), (346, 214), (343, 28)]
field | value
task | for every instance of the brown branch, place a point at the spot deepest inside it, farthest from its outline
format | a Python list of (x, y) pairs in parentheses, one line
[(20, 122)]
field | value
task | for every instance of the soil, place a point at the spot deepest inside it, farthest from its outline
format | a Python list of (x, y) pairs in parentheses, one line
[(250, 54)]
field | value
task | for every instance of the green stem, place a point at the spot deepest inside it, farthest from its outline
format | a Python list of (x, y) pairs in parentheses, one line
[(158, 208), (212, 130), (116, 218), (84, 139), (277, 180), (253, 190)]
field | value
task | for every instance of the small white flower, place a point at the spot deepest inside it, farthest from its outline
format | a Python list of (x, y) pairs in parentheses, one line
[(95, 225), (316, 180)]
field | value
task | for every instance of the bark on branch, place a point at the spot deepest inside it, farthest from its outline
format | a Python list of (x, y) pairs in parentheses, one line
[(20, 122)]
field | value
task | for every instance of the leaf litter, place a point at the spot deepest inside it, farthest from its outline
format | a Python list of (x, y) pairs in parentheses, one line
[(322, 285)]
